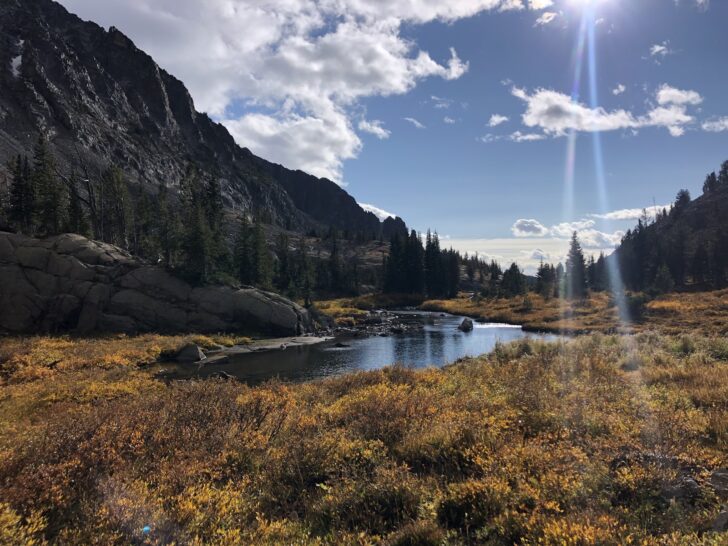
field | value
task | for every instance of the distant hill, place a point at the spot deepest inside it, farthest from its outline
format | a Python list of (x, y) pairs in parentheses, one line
[(686, 247), (100, 100)]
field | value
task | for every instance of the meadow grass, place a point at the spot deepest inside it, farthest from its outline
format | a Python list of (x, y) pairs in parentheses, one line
[(578, 442), (704, 312)]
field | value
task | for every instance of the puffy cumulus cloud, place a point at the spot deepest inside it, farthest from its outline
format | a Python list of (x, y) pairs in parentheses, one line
[(529, 228), (305, 63), (585, 229), (670, 95), (716, 125), (566, 229), (449, 121), (374, 127), (557, 113), (496, 120), (619, 90), (309, 143), (540, 4), (379, 213), (546, 18)]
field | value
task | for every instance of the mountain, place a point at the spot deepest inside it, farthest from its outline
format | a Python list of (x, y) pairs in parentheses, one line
[(685, 247), (100, 100)]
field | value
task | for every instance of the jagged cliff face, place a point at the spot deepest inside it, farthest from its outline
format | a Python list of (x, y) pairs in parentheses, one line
[(96, 96)]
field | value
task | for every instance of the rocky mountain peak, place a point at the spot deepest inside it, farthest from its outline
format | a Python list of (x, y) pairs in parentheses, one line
[(101, 100)]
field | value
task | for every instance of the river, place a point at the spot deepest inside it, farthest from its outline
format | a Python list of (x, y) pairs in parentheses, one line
[(438, 343)]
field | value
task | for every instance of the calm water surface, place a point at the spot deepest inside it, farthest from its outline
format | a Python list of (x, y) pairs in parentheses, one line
[(437, 344)]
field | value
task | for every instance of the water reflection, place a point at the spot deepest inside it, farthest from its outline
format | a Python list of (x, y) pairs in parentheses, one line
[(437, 344)]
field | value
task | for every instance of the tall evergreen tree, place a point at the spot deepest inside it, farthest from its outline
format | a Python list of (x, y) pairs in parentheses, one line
[(77, 220), (50, 200), (22, 196), (513, 283), (711, 183), (114, 207), (576, 278), (168, 227)]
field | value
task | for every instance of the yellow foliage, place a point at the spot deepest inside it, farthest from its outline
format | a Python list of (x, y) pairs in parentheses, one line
[(553, 444)]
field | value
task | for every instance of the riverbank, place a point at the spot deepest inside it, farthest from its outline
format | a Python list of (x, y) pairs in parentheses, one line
[(705, 313), (599, 440)]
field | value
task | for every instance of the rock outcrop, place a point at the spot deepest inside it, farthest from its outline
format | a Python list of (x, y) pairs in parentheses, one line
[(70, 283)]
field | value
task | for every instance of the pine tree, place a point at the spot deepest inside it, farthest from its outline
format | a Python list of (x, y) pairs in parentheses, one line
[(114, 208), (50, 203), (263, 268), (21, 211), (576, 279), (284, 268), (168, 227), (723, 174), (664, 282), (77, 220), (414, 264), (700, 265), (513, 283), (243, 257), (304, 274), (710, 184)]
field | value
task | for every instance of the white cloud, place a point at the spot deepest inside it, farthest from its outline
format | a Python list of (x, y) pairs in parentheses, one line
[(660, 51), (670, 95), (512, 5), (540, 4), (556, 113), (414, 122), (632, 214), (546, 18), (449, 120), (312, 144), (374, 127), (716, 125), (585, 230), (496, 120), (289, 64), (537, 255), (619, 90), (518, 136), (379, 213), (441, 103), (566, 229), (529, 228)]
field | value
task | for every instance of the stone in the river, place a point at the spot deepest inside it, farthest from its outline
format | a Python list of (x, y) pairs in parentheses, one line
[(466, 325), (189, 353)]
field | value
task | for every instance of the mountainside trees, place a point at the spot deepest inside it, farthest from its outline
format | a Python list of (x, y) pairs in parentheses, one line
[(687, 245), (414, 269)]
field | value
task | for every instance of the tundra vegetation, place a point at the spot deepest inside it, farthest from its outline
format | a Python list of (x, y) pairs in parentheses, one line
[(597, 440)]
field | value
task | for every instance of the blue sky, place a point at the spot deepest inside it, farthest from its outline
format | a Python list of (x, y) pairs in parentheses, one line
[(396, 101)]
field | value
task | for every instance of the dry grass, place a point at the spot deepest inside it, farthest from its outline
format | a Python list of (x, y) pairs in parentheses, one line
[(571, 443), (705, 313)]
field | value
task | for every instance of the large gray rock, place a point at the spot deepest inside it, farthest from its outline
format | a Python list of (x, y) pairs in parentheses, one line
[(70, 283), (719, 482), (466, 325)]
